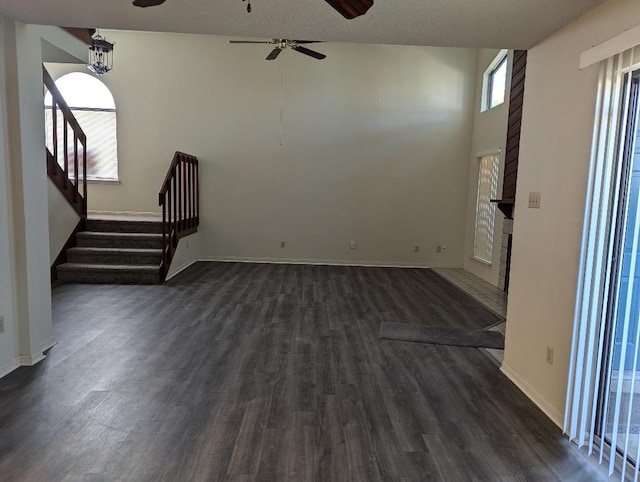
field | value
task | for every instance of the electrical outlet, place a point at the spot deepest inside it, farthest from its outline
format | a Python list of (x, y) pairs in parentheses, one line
[(352, 244), (416, 249), (283, 244), (550, 355), (438, 249), (1, 324)]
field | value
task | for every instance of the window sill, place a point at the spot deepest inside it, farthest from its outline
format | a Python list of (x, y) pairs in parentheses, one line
[(481, 261), (103, 181), (487, 108)]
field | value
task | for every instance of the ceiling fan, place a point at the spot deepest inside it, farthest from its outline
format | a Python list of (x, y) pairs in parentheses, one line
[(283, 43), (348, 8)]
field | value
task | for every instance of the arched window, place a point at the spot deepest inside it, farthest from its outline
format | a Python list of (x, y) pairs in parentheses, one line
[(93, 106)]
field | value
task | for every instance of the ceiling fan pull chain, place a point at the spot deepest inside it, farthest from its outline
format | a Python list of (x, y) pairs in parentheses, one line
[(248, 6)]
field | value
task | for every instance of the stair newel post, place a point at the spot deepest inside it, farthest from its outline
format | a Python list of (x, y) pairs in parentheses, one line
[(180, 193), (75, 166), (197, 192), (162, 201), (185, 192), (169, 222), (193, 194), (84, 175), (178, 196), (66, 151), (54, 122), (189, 193), (174, 187)]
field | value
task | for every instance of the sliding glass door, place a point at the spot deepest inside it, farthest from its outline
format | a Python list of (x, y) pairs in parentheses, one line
[(619, 400)]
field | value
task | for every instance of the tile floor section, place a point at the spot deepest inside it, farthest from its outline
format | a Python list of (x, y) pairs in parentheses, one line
[(491, 297)]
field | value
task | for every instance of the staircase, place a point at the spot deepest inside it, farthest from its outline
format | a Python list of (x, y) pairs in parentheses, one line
[(115, 251)]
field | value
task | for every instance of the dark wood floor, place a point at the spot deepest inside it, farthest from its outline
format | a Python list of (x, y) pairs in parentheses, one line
[(271, 373)]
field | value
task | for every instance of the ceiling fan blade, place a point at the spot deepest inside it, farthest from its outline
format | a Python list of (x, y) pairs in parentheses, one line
[(251, 42), (274, 53), (310, 53), (300, 42), (351, 8), (147, 3)]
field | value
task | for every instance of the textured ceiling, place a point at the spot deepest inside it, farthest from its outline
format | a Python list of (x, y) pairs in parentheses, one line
[(450, 23)]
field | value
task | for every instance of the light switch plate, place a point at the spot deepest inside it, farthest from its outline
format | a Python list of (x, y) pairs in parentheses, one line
[(534, 200)]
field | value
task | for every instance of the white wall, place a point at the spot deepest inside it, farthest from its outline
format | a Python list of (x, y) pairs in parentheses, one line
[(373, 146), (7, 295), (24, 220), (557, 124), (63, 219), (186, 254), (489, 133)]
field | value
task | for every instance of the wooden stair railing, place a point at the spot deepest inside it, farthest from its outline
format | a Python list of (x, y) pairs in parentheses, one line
[(179, 198), (59, 172)]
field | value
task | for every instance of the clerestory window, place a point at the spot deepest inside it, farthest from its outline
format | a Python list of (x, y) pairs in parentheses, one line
[(495, 82)]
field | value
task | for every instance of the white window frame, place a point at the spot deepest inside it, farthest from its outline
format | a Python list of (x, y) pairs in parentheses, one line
[(487, 80)]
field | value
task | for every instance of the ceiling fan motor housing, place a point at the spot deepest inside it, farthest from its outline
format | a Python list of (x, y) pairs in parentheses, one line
[(281, 44)]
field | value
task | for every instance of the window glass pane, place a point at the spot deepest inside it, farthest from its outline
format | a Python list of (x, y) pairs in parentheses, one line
[(83, 90), (94, 108), (498, 83), (102, 147), (485, 209), (100, 128)]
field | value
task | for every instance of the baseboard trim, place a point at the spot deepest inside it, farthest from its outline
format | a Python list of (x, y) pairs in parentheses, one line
[(48, 344), (31, 360), (9, 367), (541, 402), (181, 269), (316, 262)]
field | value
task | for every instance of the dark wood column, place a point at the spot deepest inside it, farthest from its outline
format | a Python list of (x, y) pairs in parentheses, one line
[(506, 203)]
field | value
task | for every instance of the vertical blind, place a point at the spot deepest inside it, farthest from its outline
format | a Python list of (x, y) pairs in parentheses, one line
[(599, 412), (485, 209), (102, 146), (94, 108)]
